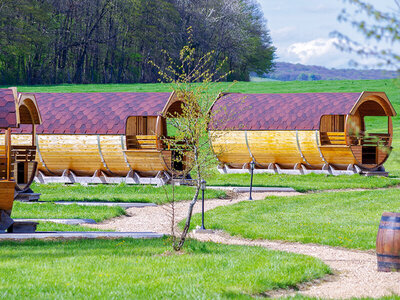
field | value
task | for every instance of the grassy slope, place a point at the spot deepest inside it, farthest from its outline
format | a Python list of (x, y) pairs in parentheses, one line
[(347, 219), (144, 269), (117, 193)]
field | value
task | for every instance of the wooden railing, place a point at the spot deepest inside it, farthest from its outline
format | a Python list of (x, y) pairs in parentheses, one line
[(23, 153), (371, 139), (171, 144)]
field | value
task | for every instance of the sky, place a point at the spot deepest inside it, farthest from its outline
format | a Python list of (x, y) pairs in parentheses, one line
[(301, 31)]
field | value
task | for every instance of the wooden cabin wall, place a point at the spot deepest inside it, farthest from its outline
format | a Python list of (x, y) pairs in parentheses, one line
[(272, 146), (230, 147), (141, 126), (286, 148), (332, 123), (85, 154)]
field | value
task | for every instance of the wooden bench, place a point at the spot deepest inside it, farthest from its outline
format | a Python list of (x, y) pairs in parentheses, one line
[(332, 138), (141, 142)]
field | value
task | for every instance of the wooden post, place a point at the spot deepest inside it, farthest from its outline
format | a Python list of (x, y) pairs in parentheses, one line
[(33, 134), (8, 152)]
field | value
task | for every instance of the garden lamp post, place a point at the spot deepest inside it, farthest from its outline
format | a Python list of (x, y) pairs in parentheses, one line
[(203, 188), (252, 165)]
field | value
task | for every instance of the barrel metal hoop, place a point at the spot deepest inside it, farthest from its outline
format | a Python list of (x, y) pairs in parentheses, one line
[(101, 154), (299, 149), (40, 155), (389, 265), (123, 152), (319, 149), (389, 227), (388, 256), (390, 219), (248, 148)]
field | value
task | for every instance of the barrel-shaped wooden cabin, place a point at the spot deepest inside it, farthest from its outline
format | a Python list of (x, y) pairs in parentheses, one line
[(308, 131), (17, 162), (92, 135)]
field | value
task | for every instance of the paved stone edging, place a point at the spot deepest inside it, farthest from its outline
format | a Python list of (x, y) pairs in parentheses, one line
[(60, 221), (76, 235), (90, 203), (245, 189)]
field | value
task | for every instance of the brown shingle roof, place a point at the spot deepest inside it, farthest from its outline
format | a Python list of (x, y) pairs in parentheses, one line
[(278, 111), (91, 113), (8, 117)]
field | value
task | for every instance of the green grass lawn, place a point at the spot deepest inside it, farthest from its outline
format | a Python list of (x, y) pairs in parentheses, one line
[(49, 226), (146, 269), (347, 219), (301, 297), (390, 86), (303, 183), (54, 211), (118, 193)]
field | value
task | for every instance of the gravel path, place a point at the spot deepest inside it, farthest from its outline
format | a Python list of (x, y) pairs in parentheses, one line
[(356, 274), (143, 219)]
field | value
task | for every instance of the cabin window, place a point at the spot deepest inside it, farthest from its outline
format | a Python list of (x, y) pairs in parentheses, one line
[(141, 132)]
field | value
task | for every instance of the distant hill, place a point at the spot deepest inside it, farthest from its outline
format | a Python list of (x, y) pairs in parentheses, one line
[(288, 72)]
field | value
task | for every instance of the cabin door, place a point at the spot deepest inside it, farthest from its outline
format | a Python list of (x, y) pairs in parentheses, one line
[(368, 155)]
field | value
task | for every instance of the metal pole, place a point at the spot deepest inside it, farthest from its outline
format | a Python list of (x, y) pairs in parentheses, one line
[(251, 178), (203, 187)]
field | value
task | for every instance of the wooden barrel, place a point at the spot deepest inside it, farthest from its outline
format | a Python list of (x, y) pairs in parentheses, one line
[(7, 190), (388, 242)]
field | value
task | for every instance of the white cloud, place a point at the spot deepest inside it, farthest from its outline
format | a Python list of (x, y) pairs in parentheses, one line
[(322, 52), (311, 50)]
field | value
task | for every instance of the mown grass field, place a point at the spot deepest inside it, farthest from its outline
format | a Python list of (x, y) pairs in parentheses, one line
[(54, 211), (146, 269), (48, 226), (304, 183), (345, 219), (118, 193)]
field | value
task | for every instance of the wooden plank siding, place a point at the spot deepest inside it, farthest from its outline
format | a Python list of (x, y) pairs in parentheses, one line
[(279, 147), (230, 147), (274, 147), (85, 154)]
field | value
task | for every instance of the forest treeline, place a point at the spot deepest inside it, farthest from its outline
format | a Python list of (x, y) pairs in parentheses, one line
[(112, 41)]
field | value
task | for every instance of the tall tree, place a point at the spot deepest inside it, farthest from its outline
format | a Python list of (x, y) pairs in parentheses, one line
[(105, 41)]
